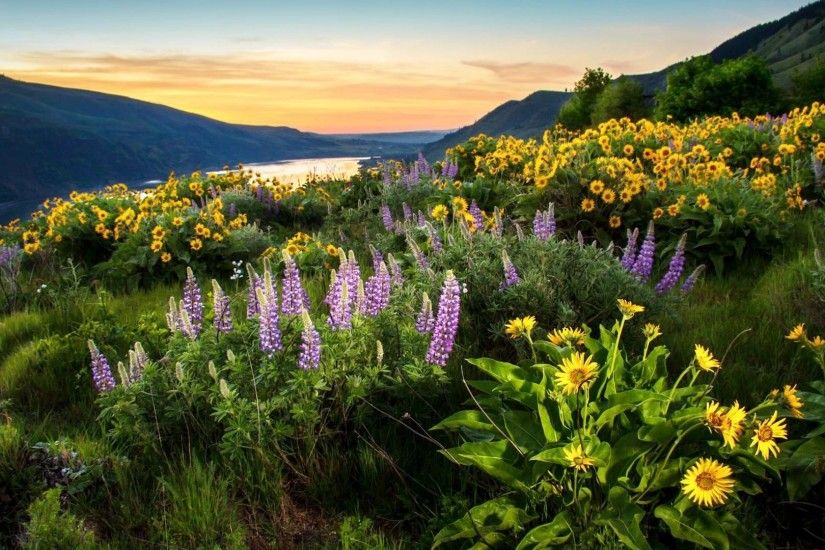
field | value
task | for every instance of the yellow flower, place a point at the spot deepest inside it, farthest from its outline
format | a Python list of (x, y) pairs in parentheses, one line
[(332, 250), (566, 336), (158, 233), (615, 221), (766, 434), (651, 331), (459, 204), (628, 308), (727, 423), (818, 343), (156, 246), (708, 482), (703, 202), (177, 221), (516, 328), (628, 150), (577, 458), (166, 257), (608, 196), (673, 210), (439, 212), (792, 400), (576, 372), (588, 205), (293, 249), (658, 213), (195, 244), (797, 333), (596, 187), (705, 359)]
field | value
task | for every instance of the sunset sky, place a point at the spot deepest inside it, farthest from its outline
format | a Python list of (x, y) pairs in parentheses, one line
[(354, 66)]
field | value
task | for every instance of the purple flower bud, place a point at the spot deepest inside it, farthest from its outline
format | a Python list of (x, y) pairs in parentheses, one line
[(687, 286), (425, 321), (629, 256), (294, 298), (310, 355), (478, 218), (446, 322), (435, 242), (396, 275), (386, 217), (269, 331), (193, 302), (407, 211), (643, 266), (221, 308), (674, 269), (101, 371), (511, 276)]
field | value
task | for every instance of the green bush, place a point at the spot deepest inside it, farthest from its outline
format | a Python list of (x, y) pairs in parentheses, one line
[(49, 527)]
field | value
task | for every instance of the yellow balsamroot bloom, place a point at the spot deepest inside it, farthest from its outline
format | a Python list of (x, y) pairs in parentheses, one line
[(703, 202), (439, 212), (708, 482), (177, 221), (460, 204), (588, 205), (156, 246), (766, 434), (615, 221), (651, 331), (790, 399), (797, 333), (608, 196), (332, 250), (566, 336), (166, 257), (195, 244), (577, 458), (516, 328), (727, 423), (628, 308), (818, 343), (705, 359), (596, 187), (576, 372)]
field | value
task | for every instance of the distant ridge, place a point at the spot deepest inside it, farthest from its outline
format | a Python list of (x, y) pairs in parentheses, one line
[(789, 44), (53, 139)]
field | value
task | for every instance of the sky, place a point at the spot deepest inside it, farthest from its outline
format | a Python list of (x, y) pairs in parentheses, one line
[(367, 66)]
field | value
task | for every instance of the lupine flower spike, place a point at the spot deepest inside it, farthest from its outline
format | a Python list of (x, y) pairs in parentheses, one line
[(674, 269), (310, 355), (101, 371), (511, 276), (221, 308), (446, 322)]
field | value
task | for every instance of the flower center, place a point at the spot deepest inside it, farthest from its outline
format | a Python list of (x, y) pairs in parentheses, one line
[(578, 376), (706, 481), (765, 433)]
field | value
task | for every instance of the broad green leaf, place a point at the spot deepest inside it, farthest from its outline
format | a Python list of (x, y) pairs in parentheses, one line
[(497, 458), (550, 422), (658, 433), (804, 468), (553, 455), (500, 514), (684, 526), (551, 351), (624, 518), (503, 372), (739, 536), (524, 429), (550, 534), (473, 419)]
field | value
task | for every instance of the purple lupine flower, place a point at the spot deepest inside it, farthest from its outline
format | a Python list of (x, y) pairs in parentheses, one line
[(386, 175), (386, 217), (435, 241), (511, 276), (137, 362), (643, 265), (396, 275), (446, 322), (629, 257), (310, 355), (674, 269), (445, 168), (687, 286), (340, 313), (193, 302), (408, 214), (544, 223), (478, 218), (269, 331), (377, 291), (453, 171), (419, 256), (498, 223), (353, 275), (377, 258), (294, 298), (422, 166), (519, 231), (421, 219), (233, 210), (101, 371), (8, 254), (221, 308), (425, 321), (253, 307), (361, 299)]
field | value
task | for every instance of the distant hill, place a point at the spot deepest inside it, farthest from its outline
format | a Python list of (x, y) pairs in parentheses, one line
[(54, 139), (788, 44), (414, 137), (525, 118)]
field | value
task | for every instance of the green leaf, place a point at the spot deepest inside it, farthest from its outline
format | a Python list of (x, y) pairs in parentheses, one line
[(551, 351), (497, 458), (553, 455), (804, 467), (694, 525), (624, 518), (473, 419), (503, 372), (549, 534), (500, 514)]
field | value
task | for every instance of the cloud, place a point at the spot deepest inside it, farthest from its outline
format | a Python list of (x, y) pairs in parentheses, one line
[(528, 72)]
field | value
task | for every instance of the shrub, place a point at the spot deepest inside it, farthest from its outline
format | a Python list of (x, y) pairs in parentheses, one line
[(50, 527)]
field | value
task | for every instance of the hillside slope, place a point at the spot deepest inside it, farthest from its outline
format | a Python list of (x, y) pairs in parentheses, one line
[(789, 44), (53, 139)]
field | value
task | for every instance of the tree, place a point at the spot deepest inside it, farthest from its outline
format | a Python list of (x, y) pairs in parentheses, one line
[(699, 87), (809, 84), (577, 112), (623, 98)]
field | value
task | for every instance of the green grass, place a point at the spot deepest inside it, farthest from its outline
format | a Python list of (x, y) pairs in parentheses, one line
[(745, 316)]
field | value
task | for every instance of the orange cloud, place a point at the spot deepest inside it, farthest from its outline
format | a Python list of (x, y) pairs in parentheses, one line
[(317, 95)]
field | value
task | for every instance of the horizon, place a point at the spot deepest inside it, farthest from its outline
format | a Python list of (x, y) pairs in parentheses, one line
[(372, 68)]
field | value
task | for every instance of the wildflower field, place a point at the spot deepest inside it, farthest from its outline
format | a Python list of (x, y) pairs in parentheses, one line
[(606, 338)]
